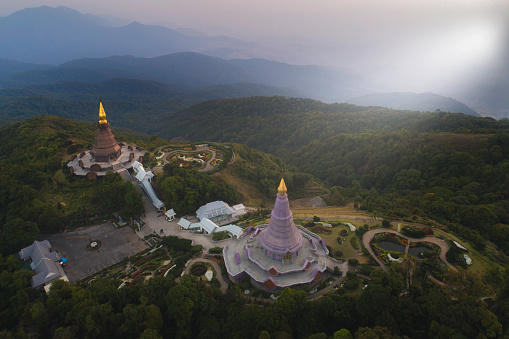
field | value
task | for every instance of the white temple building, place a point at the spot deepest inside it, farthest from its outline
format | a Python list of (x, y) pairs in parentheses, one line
[(219, 211)]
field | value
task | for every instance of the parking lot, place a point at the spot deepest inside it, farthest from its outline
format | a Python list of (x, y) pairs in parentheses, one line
[(116, 246)]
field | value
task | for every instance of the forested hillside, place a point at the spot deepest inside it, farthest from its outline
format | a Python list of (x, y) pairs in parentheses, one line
[(402, 164), (414, 101), (164, 308), (278, 124), (136, 104), (37, 193)]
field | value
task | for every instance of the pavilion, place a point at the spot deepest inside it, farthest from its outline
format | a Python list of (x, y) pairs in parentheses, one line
[(279, 254), (106, 154)]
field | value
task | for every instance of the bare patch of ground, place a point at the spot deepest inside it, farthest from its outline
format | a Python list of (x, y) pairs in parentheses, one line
[(314, 202)]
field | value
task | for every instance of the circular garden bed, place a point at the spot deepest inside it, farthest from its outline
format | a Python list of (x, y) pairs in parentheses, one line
[(198, 270)]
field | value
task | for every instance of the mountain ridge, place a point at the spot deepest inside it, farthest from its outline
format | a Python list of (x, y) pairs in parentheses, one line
[(196, 70), (55, 35), (424, 102)]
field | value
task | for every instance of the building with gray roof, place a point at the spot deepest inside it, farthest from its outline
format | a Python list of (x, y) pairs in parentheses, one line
[(43, 262)]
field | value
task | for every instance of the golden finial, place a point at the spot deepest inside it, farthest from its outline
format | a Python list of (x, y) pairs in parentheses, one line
[(102, 114), (282, 187)]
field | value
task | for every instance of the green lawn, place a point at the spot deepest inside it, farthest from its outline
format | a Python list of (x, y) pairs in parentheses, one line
[(345, 247), (480, 263)]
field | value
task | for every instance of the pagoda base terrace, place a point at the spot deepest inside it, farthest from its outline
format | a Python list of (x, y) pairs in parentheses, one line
[(83, 163), (245, 256)]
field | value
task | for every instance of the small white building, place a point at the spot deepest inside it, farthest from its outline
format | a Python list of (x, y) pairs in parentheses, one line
[(239, 209), (207, 226), (170, 215), (184, 224), (218, 211)]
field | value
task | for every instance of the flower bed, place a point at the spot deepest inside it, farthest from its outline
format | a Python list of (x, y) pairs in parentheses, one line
[(321, 229), (414, 231)]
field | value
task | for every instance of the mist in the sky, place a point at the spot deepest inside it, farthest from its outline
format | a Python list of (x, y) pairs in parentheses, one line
[(411, 45)]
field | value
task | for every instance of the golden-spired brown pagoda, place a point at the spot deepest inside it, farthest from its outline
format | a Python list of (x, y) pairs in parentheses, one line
[(105, 147)]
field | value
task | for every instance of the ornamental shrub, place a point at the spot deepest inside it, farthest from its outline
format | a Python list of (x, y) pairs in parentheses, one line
[(351, 284), (353, 262), (351, 275), (353, 242), (366, 269)]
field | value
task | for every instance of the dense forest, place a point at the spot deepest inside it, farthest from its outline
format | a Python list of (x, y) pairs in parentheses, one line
[(163, 308), (279, 125), (448, 167)]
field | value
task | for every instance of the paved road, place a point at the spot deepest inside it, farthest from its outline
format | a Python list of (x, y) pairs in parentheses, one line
[(222, 282), (156, 223), (366, 238)]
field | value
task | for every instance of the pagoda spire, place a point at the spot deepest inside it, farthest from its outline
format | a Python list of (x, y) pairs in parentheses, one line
[(281, 237), (105, 148), (102, 113), (282, 187)]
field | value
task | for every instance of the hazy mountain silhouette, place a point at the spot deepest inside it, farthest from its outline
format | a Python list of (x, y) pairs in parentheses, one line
[(141, 91), (195, 71), (424, 102), (55, 35), (9, 67)]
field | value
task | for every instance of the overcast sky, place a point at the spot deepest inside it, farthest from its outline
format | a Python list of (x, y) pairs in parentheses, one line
[(412, 41)]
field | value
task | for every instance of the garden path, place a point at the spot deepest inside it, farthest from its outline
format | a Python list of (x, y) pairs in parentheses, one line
[(222, 282), (444, 247)]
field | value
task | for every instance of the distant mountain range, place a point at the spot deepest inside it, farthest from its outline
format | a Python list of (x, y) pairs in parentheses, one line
[(140, 91), (195, 71), (95, 49), (424, 102), (55, 35)]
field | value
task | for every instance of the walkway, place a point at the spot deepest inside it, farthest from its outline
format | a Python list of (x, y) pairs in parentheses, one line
[(222, 282), (444, 247)]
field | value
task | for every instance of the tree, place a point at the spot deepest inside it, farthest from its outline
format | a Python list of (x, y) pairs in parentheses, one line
[(386, 223), (376, 332), (342, 334), (49, 221), (16, 234), (181, 302), (140, 318), (40, 318), (372, 301), (150, 334)]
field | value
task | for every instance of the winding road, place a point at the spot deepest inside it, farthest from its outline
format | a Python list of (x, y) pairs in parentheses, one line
[(444, 247)]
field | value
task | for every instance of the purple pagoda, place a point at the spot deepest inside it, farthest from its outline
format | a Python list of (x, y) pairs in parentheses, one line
[(281, 239), (279, 254)]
